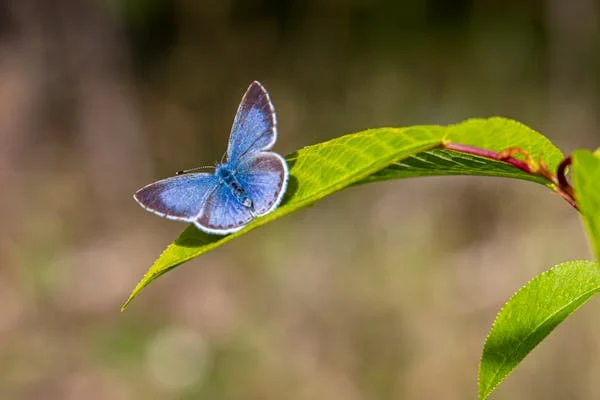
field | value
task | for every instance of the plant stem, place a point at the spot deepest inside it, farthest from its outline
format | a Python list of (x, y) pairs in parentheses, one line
[(529, 166), (494, 155)]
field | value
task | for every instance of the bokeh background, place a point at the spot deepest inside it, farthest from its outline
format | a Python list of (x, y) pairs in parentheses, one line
[(384, 291)]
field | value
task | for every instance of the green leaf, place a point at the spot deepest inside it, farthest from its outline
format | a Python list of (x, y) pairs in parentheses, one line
[(492, 134), (531, 314), (315, 172), (377, 154), (586, 182), (439, 162), (500, 133)]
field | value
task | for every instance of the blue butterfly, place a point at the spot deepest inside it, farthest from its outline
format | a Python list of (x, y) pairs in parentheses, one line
[(249, 184)]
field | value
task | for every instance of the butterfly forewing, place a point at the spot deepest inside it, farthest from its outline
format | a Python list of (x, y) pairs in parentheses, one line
[(254, 127), (179, 197)]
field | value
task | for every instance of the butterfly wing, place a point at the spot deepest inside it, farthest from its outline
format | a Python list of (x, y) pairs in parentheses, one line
[(223, 213), (180, 197), (254, 127), (263, 176)]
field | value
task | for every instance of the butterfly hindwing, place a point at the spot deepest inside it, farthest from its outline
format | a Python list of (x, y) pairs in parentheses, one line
[(180, 197), (223, 213), (264, 179), (254, 127)]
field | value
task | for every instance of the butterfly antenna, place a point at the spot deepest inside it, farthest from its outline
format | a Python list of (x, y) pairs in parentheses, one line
[(186, 171)]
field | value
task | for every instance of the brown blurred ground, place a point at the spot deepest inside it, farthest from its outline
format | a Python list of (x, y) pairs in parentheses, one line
[(380, 292)]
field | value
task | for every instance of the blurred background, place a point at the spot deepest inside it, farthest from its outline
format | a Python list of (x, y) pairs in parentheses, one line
[(384, 291)]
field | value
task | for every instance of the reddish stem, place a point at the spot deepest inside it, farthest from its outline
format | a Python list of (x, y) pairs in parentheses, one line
[(561, 172), (463, 148), (563, 188)]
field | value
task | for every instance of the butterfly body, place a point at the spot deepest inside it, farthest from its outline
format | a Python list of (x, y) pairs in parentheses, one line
[(227, 177), (249, 184)]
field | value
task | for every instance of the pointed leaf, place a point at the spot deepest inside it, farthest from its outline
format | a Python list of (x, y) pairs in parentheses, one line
[(378, 154), (315, 172), (531, 314)]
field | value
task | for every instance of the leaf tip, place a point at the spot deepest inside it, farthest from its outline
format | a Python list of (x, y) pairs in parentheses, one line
[(124, 306), (138, 288)]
